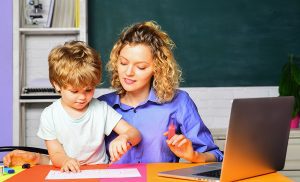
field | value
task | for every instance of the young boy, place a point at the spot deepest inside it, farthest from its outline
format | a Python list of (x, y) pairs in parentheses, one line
[(74, 126)]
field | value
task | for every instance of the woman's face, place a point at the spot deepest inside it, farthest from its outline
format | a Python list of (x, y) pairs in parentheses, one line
[(135, 68)]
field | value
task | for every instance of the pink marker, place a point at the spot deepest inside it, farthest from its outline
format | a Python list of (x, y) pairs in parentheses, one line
[(171, 130)]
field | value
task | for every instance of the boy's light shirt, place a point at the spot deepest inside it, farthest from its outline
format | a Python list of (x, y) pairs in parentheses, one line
[(81, 138), (152, 119)]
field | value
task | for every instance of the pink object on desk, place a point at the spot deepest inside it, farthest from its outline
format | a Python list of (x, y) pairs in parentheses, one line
[(295, 121)]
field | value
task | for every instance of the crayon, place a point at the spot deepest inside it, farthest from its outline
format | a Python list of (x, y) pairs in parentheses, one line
[(8, 170), (26, 166), (1, 170), (171, 130)]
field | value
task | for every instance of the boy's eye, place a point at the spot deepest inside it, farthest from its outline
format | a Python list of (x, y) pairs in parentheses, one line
[(74, 91), (88, 90)]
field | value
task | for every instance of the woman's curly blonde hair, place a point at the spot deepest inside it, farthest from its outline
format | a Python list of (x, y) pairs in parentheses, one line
[(167, 73)]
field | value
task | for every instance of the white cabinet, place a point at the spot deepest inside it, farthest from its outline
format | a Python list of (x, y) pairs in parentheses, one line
[(292, 163), (31, 46)]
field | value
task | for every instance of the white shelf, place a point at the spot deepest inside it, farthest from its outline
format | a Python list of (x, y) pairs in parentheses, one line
[(49, 31), (31, 46), (37, 100)]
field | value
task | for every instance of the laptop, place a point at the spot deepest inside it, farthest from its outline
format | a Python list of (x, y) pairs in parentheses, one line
[(256, 143)]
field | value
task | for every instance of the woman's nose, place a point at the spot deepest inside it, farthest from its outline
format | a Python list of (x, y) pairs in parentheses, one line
[(129, 70)]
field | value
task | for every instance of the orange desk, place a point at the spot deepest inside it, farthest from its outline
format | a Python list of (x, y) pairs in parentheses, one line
[(39, 173), (153, 169)]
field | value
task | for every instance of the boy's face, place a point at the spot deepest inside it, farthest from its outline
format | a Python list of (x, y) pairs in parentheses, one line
[(76, 98)]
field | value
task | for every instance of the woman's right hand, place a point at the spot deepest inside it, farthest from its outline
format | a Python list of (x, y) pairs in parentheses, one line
[(20, 157)]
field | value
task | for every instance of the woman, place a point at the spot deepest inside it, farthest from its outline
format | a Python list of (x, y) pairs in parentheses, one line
[(146, 78)]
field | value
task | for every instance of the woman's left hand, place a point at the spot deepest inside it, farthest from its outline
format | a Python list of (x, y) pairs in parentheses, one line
[(181, 146)]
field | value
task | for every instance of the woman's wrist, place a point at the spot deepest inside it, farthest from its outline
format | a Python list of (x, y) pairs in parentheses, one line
[(37, 158), (196, 157)]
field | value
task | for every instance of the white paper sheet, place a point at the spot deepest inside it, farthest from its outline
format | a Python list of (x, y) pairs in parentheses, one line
[(95, 173)]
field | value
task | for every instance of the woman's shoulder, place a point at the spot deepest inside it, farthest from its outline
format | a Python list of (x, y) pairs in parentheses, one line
[(108, 98), (182, 95), (96, 102)]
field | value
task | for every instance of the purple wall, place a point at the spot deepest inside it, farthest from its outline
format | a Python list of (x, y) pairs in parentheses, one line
[(6, 72)]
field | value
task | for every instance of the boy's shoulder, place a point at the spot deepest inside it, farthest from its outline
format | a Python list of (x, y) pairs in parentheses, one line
[(53, 105), (52, 108)]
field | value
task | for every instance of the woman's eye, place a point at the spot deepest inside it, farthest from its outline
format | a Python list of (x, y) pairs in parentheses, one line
[(122, 61), (141, 68)]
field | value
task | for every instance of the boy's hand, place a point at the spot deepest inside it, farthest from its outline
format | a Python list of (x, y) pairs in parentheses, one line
[(118, 147), (19, 157), (70, 164)]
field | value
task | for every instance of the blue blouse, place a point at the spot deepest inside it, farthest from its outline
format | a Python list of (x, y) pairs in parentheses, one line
[(152, 119)]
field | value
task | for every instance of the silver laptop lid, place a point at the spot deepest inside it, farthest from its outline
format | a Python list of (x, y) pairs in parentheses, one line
[(257, 137), (256, 144)]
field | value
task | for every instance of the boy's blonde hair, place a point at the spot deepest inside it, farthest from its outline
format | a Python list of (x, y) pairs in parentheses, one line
[(75, 64), (167, 73)]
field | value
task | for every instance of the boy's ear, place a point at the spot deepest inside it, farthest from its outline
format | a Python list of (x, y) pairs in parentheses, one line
[(57, 88)]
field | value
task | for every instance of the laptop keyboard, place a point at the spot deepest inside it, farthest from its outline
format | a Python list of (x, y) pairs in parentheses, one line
[(214, 173)]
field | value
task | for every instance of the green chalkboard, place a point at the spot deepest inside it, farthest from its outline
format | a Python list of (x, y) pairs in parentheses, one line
[(218, 43)]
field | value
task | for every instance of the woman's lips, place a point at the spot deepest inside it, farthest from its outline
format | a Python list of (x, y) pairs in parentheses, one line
[(128, 81)]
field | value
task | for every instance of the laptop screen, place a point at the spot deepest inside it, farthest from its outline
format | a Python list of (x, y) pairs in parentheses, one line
[(256, 143), (257, 137)]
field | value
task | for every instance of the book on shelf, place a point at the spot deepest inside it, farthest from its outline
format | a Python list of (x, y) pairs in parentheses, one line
[(77, 13), (50, 13), (37, 13), (64, 13)]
